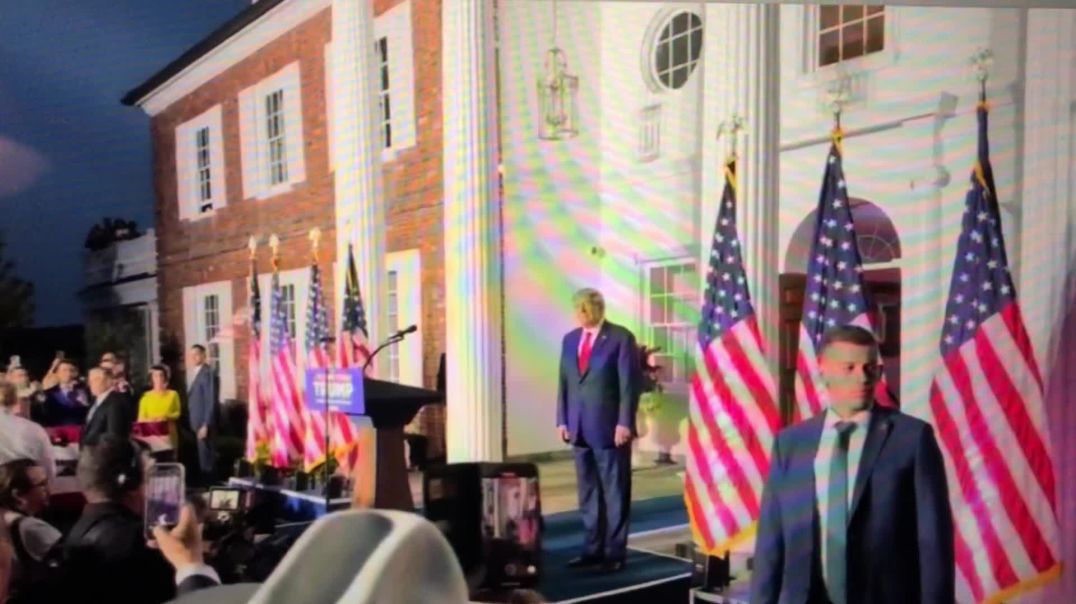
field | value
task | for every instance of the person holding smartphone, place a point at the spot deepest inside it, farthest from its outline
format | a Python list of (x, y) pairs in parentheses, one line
[(107, 555)]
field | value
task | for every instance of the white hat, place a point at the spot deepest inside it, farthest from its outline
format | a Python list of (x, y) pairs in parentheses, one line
[(358, 557)]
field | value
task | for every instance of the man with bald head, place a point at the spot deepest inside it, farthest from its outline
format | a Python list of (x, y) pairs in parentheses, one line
[(108, 415)]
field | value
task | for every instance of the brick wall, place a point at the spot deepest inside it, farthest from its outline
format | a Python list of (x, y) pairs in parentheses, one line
[(215, 248)]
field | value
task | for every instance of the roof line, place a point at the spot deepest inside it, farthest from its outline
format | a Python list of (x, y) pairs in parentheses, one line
[(220, 35)]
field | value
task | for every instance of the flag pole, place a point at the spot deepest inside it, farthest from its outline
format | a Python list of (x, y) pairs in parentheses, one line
[(839, 96), (315, 238), (981, 63)]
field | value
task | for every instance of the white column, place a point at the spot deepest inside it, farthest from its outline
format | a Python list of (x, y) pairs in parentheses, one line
[(1047, 247), (472, 244), (360, 209), (741, 71)]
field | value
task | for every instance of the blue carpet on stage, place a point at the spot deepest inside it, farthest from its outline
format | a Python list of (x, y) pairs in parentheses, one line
[(563, 537), (647, 579)]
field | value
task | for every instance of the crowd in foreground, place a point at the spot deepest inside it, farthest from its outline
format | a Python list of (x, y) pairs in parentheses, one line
[(105, 555)]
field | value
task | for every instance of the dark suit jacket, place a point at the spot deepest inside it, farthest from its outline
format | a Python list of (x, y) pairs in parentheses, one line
[(58, 410), (607, 394), (111, 417), (107, 559), (202, 400), (900, 533)]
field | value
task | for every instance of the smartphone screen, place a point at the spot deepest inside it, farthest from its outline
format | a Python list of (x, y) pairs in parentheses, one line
[(164, 496), (224, 499)]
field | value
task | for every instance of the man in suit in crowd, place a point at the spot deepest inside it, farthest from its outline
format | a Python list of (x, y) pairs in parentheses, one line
[(856, 506), (66, 403), (108, 415), (597, 398), (202, 406)]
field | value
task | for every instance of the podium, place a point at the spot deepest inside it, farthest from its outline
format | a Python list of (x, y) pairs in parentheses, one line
[(380, 477)]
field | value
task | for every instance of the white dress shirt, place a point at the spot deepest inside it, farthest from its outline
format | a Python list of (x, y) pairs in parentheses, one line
[(23, 438), (97, 404), (826, 446), (593, 331)]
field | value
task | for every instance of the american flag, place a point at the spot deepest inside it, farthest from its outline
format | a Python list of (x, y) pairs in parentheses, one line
[(352, 351), (317, 357), (285, 404), (835, 295), (353, 348), (733, 408), (257, 421), (987, 404)]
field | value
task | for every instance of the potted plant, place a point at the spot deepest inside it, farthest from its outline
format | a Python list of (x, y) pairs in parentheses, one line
[(653, 395)]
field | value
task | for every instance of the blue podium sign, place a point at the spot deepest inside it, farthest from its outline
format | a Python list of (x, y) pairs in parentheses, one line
[(345, 390)]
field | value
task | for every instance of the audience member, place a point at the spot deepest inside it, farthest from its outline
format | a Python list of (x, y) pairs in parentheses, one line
[(7, 556), (117, 368), (68, 402), (24, 494), (22, 437), (109, 414), (26, 389), (161, 403), (202, 407), (106, 554)]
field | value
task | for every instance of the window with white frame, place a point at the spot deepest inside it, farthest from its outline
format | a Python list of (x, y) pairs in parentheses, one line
[(287, 300), (847, 32), (294, 287), (394, 72), (211, 326), (393, 307), (271, 134), (676, 49), (200, 165), (672, 308), (275, 137), (207, 320), (205, 172), (404, 305), (383, 95)]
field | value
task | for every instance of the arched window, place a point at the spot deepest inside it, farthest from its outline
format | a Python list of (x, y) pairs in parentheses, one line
[(674, 49), (875, 234)]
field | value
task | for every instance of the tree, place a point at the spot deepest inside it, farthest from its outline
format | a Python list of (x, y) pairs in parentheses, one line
[(16, 295)]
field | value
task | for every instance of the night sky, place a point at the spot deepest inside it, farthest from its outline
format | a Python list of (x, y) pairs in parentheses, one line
[(70, 153)]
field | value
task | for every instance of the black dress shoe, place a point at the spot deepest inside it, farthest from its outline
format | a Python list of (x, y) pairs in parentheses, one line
[(612, 566), (584, 561)]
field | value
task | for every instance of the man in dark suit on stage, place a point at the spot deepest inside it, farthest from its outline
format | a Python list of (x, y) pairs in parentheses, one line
[(856, 507), (109, 414), (596, 402), (202, 407)]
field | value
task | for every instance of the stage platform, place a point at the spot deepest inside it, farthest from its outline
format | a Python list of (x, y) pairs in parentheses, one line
[(648, 578), (653, 573), (295, 506)]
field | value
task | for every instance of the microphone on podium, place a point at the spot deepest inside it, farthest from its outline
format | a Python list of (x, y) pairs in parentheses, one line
[(395, 338), (403, 332)]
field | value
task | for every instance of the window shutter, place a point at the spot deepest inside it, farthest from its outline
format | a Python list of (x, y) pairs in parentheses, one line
[(184, 149), (216, 159), (249, 142), (329, 107), (293, 115), (226, 341)]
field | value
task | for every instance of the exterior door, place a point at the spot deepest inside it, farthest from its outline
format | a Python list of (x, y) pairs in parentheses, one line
[(883, 291)]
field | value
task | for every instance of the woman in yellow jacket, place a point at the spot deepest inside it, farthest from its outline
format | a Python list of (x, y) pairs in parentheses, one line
[(160, 403)]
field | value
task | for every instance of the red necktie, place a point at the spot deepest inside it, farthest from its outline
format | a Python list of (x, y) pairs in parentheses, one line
[(584, 354)]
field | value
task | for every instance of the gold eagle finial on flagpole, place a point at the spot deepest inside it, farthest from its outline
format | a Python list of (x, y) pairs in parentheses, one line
[(981, 62), (315, 240), (732, 128)]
